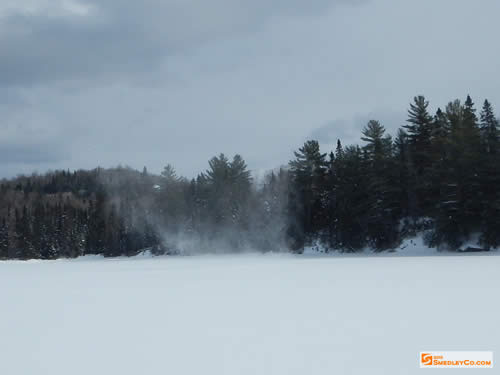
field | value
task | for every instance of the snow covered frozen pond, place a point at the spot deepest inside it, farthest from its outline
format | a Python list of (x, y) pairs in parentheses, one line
[(247, 314)]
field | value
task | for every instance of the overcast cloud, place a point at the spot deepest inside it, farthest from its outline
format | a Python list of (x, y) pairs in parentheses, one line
[(103, 82)]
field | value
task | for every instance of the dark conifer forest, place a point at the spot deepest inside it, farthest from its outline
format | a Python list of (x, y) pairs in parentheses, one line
[(439, 176)]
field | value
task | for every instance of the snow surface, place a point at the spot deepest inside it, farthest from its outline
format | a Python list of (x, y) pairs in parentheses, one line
[(247, 314), (413, 246)]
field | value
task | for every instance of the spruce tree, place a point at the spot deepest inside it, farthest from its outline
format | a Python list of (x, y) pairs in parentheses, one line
[(489, 129)]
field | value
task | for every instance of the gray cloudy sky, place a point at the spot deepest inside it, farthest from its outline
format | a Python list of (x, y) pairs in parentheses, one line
[(102, 82)]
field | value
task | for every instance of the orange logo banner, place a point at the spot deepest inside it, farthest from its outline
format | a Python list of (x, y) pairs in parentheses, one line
[(456, 359)]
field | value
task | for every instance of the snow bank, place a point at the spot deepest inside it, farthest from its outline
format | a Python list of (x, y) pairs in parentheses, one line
[(413, 246)]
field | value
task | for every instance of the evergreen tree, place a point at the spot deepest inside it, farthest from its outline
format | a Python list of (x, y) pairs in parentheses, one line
[(439, 170), (339, 151), (25, 245), (169, 174), (470, 166), (41, 232), (489, 129), (95, 242), (113, 234), (217, 179), (460, 200), (490, 178), (378, 145), (331, 186), (419, 130), (352, 203), (240, 184), (449, 229), (307, 171), (4, 240), (407, 197), (383, 208)]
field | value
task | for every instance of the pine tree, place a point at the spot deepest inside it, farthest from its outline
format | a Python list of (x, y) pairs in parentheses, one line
[(217, 182), (470, 165), (339, 151), (169, 174), (383, 205), (352, 203), (307, 171), (460, 200), (240, 183), (489, 129), (419, 130), (331, 187), (490, 178), (378, 144), (407, 198), (439, 169), (448, 230)]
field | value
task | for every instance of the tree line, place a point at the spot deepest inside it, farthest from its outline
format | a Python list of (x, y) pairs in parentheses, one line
[(440, 176), (121, 211)]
